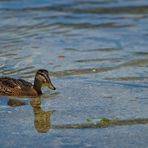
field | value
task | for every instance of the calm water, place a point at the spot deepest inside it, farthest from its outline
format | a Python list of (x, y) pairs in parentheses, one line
[(97, 55)]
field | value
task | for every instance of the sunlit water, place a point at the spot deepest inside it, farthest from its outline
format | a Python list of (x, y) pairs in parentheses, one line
[(97, 55)]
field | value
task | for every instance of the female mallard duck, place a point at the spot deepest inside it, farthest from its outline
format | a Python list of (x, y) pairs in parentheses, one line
[(19, 87)]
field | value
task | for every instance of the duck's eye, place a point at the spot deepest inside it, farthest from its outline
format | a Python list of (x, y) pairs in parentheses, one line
[(42, 74)]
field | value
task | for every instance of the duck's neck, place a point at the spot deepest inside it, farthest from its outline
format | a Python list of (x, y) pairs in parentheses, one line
[(37, 86)]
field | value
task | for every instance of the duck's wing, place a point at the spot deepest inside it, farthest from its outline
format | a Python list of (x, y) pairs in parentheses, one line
[(24, 83), (8, 85)]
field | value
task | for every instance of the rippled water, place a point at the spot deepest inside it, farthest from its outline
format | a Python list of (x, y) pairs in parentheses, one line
[(97, 54)]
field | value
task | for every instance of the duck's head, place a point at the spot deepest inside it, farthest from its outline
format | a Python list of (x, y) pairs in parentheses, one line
[(42, 78)]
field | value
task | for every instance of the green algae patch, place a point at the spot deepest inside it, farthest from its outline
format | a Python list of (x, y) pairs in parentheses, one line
[(99, 120), (103, 123)]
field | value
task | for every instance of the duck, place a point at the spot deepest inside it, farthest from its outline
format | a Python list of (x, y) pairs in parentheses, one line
[(19, 87)]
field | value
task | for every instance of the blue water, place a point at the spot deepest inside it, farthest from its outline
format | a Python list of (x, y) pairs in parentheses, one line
[(96, 53)]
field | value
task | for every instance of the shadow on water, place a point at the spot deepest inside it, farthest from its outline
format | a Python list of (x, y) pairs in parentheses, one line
[(42, 122), (42, 119)]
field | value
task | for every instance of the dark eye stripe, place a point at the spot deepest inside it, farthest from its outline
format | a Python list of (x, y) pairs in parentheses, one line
[(45, 76), (42, 74)]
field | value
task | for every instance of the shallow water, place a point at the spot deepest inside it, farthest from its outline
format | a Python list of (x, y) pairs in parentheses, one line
[(96, 53)]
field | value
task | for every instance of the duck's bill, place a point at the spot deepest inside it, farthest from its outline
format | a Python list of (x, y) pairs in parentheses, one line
[(50, 86)]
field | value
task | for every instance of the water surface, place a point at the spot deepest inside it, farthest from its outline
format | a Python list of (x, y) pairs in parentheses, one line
[(96, 53)]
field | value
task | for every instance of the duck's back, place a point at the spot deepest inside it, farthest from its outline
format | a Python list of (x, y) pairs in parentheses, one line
[(16, 87)]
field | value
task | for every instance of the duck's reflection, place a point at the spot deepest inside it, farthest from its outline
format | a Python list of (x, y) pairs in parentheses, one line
[(15, 103), (42, 121)]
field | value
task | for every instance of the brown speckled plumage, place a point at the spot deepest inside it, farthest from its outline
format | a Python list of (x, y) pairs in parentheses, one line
[(20, 87)]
